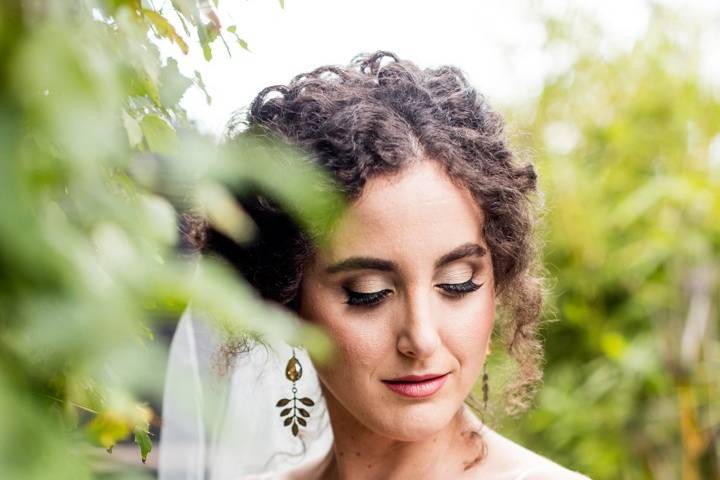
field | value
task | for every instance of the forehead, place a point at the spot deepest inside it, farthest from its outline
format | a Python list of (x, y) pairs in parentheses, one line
[(408, 215)]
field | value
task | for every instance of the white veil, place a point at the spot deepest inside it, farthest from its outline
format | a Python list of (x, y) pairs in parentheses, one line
[(227, 426)]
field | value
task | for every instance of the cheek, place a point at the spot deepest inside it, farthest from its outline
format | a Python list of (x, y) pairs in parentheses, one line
[(361, 340), (359, 355), (358, 342), (469, 329)]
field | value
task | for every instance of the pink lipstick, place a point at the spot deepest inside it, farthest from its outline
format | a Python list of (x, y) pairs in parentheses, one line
[(417, 386)]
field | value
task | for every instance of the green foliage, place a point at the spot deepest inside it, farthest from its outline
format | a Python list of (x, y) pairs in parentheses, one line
[(632, 248), (142, 438), (97, 160)]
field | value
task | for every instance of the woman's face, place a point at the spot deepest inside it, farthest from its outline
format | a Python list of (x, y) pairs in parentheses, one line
[(388, 290)]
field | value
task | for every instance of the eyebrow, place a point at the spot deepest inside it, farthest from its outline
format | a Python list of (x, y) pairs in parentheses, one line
[(370, 263)]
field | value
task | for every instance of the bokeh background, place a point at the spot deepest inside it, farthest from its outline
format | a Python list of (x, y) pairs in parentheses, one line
[(110, 112)]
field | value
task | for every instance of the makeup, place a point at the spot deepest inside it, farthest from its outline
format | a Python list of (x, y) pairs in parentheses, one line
[(417, 386)]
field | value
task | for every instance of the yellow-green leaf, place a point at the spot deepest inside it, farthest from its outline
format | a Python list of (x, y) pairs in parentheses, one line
[(107, 428), (165, 29), (233, 30), (160, 136)]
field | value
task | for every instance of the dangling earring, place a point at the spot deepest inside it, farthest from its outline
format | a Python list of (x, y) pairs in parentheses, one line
[(294, 414), (485, 388)]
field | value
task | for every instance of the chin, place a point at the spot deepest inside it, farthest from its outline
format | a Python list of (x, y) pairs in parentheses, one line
[(414, 422)]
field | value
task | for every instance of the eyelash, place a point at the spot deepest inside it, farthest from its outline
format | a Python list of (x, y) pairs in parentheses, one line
[(457, 290)]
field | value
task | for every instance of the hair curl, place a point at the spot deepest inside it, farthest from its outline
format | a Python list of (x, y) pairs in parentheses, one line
[(374, 118)]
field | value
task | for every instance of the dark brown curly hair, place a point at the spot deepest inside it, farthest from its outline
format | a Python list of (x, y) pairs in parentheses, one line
[(374, 117)]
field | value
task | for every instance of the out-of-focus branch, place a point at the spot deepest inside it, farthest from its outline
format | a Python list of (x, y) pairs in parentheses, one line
[(696, 440)]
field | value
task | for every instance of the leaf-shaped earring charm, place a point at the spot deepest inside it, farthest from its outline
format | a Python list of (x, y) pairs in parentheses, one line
[(294, 414)]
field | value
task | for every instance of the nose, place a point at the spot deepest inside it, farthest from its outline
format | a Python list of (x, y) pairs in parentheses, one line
[(418, 336)]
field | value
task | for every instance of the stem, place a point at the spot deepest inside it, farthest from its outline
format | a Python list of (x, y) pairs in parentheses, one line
[(76, 405)]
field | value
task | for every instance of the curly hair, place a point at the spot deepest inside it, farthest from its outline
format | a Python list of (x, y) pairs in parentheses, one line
[(371, 118)]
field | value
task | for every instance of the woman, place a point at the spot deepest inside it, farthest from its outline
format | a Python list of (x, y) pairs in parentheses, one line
[(438, 233)]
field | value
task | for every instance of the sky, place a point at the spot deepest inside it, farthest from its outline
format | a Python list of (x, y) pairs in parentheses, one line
[(499, 44)]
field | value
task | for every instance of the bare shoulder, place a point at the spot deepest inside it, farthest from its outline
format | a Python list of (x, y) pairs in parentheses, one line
[(507, 460)]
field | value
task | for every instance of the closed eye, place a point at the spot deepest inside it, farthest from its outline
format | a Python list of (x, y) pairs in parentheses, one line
[(456, 290), (461, 289), (365, 299)]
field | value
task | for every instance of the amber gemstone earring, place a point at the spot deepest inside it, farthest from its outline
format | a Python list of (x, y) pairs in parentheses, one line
[(293, 413)]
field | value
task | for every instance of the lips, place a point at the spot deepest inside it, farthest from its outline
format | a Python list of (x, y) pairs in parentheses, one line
[(417, 386)]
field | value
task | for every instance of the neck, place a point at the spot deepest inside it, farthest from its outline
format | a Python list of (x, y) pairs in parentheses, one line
[(359, 453)]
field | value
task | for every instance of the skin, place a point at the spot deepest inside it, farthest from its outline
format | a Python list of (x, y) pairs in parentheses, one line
[(412, 218)]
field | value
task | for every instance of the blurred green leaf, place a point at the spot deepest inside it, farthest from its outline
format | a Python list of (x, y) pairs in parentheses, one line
[(100, 162), (133, 130), (201, 85), (142, 439), (223, 212), (173, 84), (159, 135)]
